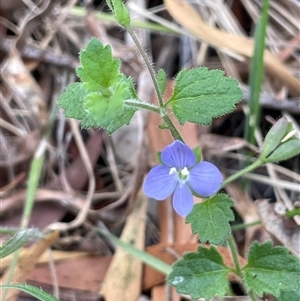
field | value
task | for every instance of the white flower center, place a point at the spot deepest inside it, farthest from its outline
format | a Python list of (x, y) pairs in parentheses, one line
[(172, 170), (182, 174)]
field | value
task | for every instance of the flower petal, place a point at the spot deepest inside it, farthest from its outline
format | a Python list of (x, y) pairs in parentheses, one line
[(205, 179), (183, 200), (159, 184), (178, 155)]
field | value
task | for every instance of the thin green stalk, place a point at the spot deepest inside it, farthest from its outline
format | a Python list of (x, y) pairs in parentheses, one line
[(156, 109), (241, 172), (33, 181), (32, 184), (256, 75), (172, 128), (145, 257), (252, 296), (234, 254), (148, 64), (243, 226), (293, 212), (236, 262), (162, 112), (143, 105), (35, 171)]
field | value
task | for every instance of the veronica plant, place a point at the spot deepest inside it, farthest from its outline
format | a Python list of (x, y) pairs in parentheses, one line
[(104, 97)]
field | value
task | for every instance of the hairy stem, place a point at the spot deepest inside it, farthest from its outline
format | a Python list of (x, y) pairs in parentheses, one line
[(148, 64), (172, 128), (236, 262), (234, 254), (162, 110), (143, 105), (252, 296)]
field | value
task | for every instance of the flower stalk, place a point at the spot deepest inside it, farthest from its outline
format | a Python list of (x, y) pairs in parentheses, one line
[(241, 172)]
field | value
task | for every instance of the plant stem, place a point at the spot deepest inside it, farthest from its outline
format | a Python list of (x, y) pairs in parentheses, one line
[(172, 128), (148, 64), (292, 213), (252, 296), (243, 171), (162, 110), (243, 226), (143, 105), (234, 254), (236, 262)]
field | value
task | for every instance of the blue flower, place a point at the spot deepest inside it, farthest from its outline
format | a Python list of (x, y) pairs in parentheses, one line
[(181, 174)]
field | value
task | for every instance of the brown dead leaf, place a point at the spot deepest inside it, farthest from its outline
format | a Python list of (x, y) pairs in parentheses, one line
[(245, 207), (124, 276), (25, 88), (86, 272), (283, 229), (56, 256), (26, 263)]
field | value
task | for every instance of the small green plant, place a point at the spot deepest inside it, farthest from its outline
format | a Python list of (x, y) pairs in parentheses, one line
[(104, 97)]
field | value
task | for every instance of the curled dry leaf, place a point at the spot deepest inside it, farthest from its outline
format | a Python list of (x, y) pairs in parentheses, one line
[(283, 229), (24, 87)]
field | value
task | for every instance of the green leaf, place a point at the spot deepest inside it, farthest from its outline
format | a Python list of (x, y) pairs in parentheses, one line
[(210, 219), (198, 153), (270, 269), (72, 101), (292, 295), (32, 290), (18, 240), (274, 136), (285, 151), (99, 68), (108, 112), (99, 100), (200, 274), (161, 81), (158, 157), (200, 95)]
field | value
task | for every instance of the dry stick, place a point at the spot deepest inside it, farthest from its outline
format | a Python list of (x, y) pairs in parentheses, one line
[(273, 181), (113, 166), (58, 23), (67, 201), (53, 274), (81, 216)]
